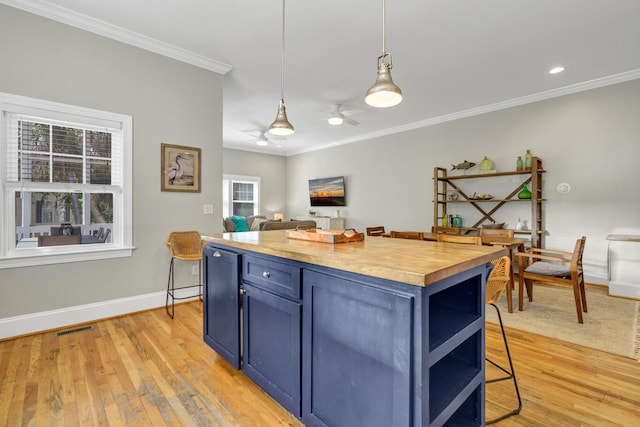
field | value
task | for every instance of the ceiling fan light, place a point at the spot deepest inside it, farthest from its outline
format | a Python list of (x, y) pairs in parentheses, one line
[(335, 120), (281, 125), (384, 93)]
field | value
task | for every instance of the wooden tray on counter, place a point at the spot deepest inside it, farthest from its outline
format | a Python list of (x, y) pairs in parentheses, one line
[(326, 236)]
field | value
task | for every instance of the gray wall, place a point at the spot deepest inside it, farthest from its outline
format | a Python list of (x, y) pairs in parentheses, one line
[(272, 171), (590, 140), (171, 102)]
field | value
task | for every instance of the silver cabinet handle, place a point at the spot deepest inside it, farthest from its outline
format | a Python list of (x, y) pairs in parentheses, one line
[(243, 291), (217, 254), (266, 274)]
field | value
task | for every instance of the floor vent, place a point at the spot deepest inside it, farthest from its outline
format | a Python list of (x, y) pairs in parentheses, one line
[(75, 330)]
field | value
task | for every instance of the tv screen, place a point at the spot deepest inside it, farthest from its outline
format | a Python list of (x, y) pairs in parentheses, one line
[(327, 191)]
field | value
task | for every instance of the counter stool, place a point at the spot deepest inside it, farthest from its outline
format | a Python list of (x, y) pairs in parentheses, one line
[(498, 280), (184, 246)]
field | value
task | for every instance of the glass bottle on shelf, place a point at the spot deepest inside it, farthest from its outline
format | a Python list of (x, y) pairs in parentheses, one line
[(486, 165), (519, 165), (527, 160), (457, 221)]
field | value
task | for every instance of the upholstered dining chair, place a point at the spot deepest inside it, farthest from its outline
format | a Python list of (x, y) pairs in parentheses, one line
[(446, 230), (452, 238), (415, 235), (375, 231), (506, 232), (183, 246), (555, 267), (497, 282)]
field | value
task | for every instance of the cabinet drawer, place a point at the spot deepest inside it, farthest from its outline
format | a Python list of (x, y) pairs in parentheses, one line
[(273, 276)]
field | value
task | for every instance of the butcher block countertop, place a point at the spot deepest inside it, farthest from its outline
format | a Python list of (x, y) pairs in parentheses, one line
[(414, 262)]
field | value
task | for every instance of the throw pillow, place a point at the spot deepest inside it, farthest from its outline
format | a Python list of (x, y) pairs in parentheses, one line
[(240, 222), (257, 222)]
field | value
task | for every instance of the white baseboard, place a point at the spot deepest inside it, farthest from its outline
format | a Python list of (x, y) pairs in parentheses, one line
[(54, 319)]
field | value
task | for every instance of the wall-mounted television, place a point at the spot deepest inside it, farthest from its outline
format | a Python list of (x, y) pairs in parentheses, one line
[(327, 191)]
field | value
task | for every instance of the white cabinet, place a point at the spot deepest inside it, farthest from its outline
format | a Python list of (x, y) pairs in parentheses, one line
[(325, 222), (623, 265)]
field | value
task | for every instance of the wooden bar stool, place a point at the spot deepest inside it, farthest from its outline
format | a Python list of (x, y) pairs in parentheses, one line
[(183, 246), (496, 284)]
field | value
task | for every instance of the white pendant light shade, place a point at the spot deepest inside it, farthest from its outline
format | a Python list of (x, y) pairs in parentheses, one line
[(384, 93)]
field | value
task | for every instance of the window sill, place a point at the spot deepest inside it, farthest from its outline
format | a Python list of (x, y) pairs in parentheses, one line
[(35, 257)]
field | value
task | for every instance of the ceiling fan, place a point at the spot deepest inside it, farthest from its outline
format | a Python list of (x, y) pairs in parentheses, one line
[(338, 116), (264, 138)]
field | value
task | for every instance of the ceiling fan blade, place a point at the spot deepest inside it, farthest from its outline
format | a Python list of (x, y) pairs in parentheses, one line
[(351, 121)]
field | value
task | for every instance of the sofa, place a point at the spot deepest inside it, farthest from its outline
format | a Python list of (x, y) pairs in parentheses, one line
[(261, 223)]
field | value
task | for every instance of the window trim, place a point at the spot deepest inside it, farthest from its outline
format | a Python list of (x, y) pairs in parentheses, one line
[(122, 237)]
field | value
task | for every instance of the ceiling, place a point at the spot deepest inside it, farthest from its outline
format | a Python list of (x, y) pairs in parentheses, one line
[(450, 58)]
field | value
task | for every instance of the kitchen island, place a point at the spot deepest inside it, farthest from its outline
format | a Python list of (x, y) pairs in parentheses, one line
[(383, 332)]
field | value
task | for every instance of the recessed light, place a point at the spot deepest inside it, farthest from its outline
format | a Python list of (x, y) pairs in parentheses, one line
[(556, 70)]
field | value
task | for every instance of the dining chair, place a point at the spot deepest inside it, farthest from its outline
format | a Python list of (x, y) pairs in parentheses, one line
[(496, 284), (415, 235), (452, 238), (496, 232), (555, 267), (375, 231), (183, 246), (446, 230)]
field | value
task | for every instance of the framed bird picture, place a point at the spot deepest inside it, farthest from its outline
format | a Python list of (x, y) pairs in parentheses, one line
[(180, 168)]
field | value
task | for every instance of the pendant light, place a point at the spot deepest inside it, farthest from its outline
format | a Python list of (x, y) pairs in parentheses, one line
[(281, 125), (384, 93)]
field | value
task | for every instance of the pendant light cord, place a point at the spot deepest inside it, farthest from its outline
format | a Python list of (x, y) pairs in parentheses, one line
[(384, 28), (282, 58)]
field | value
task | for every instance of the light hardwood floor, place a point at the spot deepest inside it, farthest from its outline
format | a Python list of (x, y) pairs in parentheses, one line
[(145, 369)]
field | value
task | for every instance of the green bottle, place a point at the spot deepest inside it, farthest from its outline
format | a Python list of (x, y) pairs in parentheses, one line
[(524, 193)]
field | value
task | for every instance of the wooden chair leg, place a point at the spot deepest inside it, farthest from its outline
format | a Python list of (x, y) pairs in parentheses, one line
[(578, 300), (583, 292)]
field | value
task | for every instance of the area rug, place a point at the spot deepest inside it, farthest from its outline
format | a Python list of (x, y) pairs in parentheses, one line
[(611, 324)]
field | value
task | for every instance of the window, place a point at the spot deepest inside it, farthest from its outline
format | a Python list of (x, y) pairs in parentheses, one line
[(240, 195), (66, 183)]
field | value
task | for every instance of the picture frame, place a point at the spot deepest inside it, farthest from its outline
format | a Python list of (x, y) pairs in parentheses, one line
[(180, 168)]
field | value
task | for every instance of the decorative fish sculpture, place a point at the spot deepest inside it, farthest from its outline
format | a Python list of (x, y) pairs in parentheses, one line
[(463, 166)]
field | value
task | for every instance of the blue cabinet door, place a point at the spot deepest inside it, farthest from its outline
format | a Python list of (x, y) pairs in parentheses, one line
[(272, 345), (357, 348), (222, 302)]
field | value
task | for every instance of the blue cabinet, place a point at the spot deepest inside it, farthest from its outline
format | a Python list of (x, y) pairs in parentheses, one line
[(272, 316), (358, 342), (222, 302), (272, 345), (271, 311)]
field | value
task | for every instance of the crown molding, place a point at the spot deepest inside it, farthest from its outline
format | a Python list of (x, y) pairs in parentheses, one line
[(554, 93), (87, 23)]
